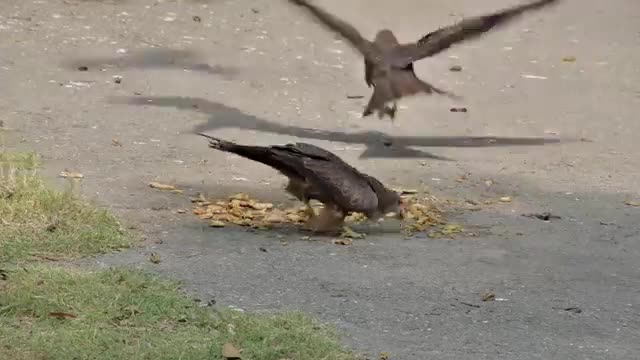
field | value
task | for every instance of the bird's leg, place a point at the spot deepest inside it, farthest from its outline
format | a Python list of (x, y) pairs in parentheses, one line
[(392, 111), (389, 111), (309, 210)]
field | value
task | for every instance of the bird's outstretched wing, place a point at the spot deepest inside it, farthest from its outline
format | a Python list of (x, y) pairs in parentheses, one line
[(341, 27), (467, 29)]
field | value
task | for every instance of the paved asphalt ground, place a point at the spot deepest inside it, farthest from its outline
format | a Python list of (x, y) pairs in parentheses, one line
[(260, 72)]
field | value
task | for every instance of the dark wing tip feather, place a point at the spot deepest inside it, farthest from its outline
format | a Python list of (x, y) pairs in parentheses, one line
[(485, 23)]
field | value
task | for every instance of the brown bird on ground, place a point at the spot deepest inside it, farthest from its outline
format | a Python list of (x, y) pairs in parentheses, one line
[(315, 173), (389, 64)]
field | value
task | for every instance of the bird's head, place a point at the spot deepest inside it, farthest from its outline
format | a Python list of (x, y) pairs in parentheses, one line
[(386, 37), (403, 207), (395, 204)]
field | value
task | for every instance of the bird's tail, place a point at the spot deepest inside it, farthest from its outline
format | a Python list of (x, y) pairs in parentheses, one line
[(260, 154), (219, 144)]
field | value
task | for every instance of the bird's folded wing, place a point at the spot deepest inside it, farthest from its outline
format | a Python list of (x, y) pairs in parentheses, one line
[(341, 185), (343, 28), (466, 29), (308, 150)]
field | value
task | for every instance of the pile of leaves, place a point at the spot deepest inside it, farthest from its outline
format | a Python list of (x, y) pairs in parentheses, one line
[(240, 209)]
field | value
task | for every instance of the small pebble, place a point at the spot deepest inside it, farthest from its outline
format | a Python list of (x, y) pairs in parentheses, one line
[(458, 109), (455, 68), (197, 18), (83, 68)]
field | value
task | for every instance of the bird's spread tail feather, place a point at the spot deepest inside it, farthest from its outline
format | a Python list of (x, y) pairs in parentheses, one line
[(262, 154), (218, 144)]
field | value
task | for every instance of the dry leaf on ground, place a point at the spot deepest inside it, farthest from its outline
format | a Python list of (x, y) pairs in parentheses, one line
[(403, 191), (446, 231), (155, 258), (451, 229), (488, 296), (229, 351), (71, 175), (241, 209), (356, 218), (348, 233), (345, 242), (62, 315), (161, 186), (216, 224)]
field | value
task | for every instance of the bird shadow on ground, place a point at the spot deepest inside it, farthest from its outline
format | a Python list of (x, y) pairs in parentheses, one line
[(378, 145), (155, 58)]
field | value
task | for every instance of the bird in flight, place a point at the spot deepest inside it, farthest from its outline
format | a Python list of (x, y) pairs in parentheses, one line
[(389, 64), (317, 174)]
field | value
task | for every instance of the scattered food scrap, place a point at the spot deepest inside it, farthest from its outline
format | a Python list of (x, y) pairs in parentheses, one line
[(632, 203), (240, 209)]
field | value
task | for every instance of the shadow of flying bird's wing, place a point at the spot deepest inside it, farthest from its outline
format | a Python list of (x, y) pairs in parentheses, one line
[(467, 29), (341, 27)]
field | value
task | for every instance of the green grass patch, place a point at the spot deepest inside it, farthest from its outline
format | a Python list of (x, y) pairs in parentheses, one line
[(37, 221), (122, 314), (51, 312)]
